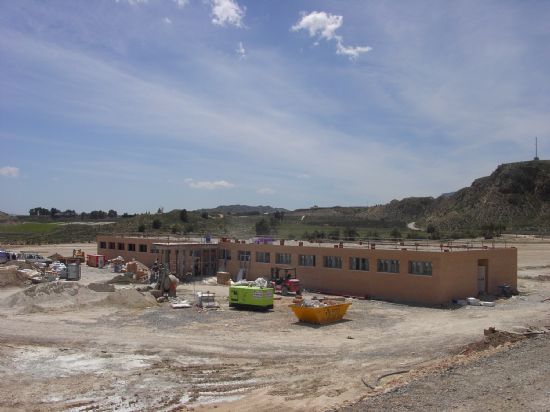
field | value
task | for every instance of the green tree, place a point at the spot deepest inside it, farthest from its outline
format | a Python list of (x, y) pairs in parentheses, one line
[(204, 215), (350, 233), (176, 229), (334, 234), (112, 213), (279, 215), (157, 224), (39, 211), (183, 216), (262, 227), (395, 234), (141, 228)]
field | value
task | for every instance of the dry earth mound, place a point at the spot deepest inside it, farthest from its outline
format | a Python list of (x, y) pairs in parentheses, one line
[(12, 276), (61, 296)]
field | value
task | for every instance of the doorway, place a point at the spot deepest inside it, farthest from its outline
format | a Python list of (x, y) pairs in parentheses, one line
[(482, 276)]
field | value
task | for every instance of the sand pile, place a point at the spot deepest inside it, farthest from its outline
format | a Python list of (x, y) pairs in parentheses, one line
[(12, 276), (52, 296), (130, 298), (62, 296)]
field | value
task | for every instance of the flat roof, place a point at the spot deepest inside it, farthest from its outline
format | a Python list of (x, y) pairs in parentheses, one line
[(425, 245)]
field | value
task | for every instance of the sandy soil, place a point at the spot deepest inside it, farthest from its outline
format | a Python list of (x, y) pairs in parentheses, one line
[(80, 355), (514, 379)]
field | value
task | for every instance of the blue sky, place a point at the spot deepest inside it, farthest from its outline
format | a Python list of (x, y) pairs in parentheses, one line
[(140, 104)]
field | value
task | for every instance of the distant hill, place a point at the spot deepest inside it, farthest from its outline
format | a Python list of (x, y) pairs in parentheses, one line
[(516, 195), (242, 210), (5, 217)]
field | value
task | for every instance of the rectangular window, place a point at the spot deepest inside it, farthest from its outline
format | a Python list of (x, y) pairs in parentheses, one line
[(306, 260), (388, 265), (131, 247), (224, 254), (244, 256), (334, 262), (283, 258), (143, 248), (358, 263), (262, 257), (120, 246), (420, 268), (103, 245), (111, 245)]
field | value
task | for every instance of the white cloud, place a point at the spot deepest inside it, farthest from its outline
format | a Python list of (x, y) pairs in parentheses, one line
[(241, 51), (350, 51), (181, 3), (324, 25), (167, 20), (319, 23), (9, 171), (227, 12), (209, 184), (132, 2), (265, 191)]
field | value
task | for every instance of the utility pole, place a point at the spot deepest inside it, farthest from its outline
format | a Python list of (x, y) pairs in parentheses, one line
[(536, 148)]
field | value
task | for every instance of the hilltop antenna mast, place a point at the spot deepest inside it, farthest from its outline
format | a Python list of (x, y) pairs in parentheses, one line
[(536, 148)]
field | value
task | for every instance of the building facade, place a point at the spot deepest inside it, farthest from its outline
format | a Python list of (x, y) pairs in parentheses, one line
[(431, 276)]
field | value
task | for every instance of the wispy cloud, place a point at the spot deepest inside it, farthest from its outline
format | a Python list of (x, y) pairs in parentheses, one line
[(133, 2), (265, 191), (181, 3), (209, 184), (350, 51), (9, 171), (241, 51), (167, 20), (227, 13), (323, 26)]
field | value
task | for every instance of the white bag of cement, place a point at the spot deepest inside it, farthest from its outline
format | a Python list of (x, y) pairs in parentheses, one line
[(261, 282), (488, 304), (461, 302), (473, 301), (180, 305)]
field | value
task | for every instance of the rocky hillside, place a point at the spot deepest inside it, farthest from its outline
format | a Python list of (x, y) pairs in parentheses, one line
[(516, 195)]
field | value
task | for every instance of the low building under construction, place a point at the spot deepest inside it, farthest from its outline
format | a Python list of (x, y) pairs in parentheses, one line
[(413, 273)]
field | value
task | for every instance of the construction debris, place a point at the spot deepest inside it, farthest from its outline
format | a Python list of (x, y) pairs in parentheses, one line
[(179, 304), (13, 276), (473, 301), (223, 278), (206, 300)]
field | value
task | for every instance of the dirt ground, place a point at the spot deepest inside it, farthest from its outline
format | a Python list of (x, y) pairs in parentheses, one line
[(91, 353), (513, 379)]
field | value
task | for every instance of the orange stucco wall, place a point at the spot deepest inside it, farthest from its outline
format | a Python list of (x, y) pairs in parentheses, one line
[(147, 258), (454, 274)]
